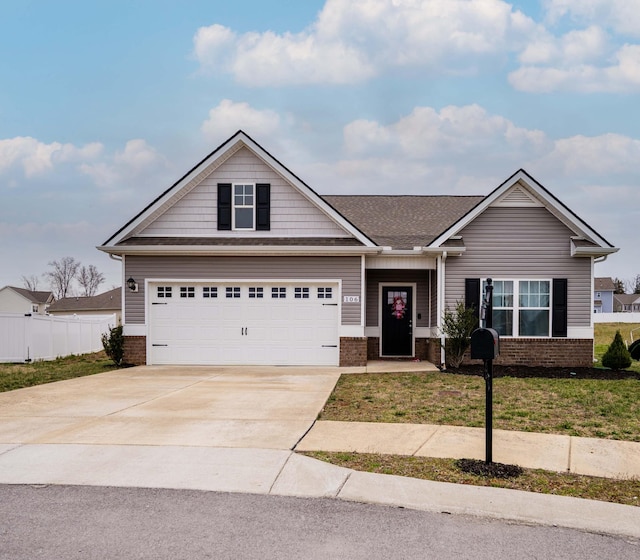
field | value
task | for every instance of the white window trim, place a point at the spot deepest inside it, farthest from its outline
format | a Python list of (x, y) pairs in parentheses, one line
[(516, 307), (234, 206)]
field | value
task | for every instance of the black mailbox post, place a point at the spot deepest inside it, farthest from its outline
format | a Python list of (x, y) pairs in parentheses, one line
[(485, 346)]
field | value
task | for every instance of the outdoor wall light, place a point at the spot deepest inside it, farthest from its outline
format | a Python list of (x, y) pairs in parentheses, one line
[(132, 284)]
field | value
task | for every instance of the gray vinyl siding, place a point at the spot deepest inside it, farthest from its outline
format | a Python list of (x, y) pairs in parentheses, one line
[(421, 298), (347, 269), (521, 243), (196, 213)]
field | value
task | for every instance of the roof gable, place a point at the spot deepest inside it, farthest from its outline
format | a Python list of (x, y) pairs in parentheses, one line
[(241, 159), (522, 190)]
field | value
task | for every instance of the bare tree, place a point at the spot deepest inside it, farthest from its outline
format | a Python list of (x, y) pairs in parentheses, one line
[(31, 282), (634, 285), (618, 286), (62, 275), (89, 279)]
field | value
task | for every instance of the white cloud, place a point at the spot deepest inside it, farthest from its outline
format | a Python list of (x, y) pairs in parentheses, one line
[(467, 150), (228, 117), (118, 172), (354, 41), (623, 16), (622, 75), (36, 158)]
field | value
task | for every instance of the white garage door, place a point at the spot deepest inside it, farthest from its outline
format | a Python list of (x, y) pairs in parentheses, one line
[(243, 323)]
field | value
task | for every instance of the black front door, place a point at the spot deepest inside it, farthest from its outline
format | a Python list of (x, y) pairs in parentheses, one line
[(397, 321)]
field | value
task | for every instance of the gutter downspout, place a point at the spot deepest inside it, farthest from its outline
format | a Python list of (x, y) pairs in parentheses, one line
[(441, 303)]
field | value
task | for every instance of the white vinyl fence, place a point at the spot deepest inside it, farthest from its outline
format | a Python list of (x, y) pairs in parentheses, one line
[(616, 317), (45, 337)]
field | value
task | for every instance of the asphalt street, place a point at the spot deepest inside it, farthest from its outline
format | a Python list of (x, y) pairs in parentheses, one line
[(82, 522)]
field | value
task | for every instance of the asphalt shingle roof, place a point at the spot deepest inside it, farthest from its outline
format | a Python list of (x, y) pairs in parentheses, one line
[(106, 301), (403, 222)]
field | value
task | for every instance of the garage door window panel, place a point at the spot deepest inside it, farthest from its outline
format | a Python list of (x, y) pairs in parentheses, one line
[(209, 292), (325, 293), (278, 293), (187, 292), (164, 291)]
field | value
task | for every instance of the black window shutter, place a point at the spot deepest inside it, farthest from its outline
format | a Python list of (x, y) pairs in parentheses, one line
[(472, 295), (224, 206), (263, 206), (559, 312)]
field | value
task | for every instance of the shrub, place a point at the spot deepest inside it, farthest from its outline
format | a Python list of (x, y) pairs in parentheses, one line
[(113, 343), (457, 326), (617, 356)]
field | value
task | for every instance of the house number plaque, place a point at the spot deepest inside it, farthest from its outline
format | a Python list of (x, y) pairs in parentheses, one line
[(351, 299)]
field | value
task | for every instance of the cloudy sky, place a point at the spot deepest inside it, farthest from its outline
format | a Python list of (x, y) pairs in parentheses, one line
[(104, 104)]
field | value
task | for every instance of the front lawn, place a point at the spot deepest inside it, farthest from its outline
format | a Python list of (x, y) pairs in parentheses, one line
[(597, 408), (16, 376)]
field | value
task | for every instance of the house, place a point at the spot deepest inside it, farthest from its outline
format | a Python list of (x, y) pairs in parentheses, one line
[(241, 262), (107, 303), (626, 303), (21, 300), (603, 289)]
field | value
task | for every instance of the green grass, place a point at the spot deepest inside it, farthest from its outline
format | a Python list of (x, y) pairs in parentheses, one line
[(571, 406), (579, 407), (17, 376), (532, 480)]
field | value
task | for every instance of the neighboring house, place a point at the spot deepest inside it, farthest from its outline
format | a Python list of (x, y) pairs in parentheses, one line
[(626, 303), (108, 303), (241, 262), (603, 289), (21, 300)]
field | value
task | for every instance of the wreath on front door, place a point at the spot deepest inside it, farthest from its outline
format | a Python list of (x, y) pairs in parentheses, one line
[(398, 307)]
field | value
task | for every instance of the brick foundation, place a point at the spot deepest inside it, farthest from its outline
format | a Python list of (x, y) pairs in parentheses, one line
[(135, 350), (544, 352), (353, 352)]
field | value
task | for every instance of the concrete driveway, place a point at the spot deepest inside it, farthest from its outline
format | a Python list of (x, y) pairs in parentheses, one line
[(250, 407)]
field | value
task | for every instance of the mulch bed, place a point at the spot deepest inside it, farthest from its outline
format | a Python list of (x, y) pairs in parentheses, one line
[(550, 373), (489, 470)]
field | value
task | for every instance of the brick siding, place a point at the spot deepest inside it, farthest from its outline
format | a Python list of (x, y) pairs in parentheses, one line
[(135, 350), (544, 352), (353, 352)]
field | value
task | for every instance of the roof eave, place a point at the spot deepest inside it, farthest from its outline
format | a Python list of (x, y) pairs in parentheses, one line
[(249, 250), (593, 252)]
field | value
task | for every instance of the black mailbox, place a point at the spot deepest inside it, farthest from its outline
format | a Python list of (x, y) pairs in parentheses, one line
[(485, 344)]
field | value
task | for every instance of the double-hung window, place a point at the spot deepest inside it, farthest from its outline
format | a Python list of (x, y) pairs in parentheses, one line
[(522, 307), (244, 206)]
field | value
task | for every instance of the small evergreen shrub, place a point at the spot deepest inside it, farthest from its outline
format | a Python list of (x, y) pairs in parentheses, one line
[(617, 355), (113, 343)]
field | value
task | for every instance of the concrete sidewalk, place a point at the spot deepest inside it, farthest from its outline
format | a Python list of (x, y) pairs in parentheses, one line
[(587, 456)]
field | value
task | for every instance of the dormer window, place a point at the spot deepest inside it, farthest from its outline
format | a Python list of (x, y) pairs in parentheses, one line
[(244, 206)]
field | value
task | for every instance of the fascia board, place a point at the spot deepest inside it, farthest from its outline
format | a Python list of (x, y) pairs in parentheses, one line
[(249, 250), (557, 208)]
